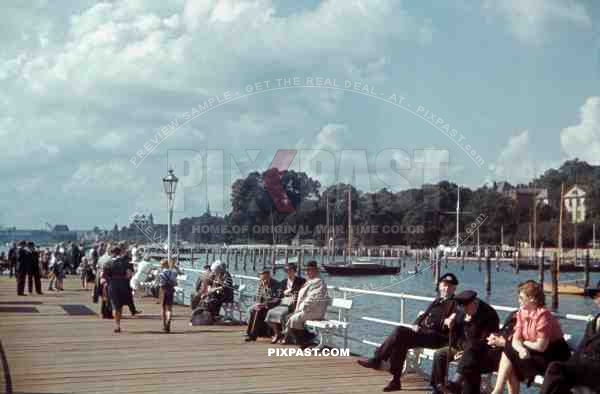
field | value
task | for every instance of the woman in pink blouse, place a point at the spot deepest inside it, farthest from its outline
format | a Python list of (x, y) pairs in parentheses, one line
[(537, 341)]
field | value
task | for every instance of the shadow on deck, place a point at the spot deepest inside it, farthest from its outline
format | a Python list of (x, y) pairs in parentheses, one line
[(50, 351)]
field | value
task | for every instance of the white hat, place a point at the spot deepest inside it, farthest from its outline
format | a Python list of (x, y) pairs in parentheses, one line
[(217, 266)]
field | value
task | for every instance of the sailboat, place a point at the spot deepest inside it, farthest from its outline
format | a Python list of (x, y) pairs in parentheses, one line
[(358, 267), (571, 287)]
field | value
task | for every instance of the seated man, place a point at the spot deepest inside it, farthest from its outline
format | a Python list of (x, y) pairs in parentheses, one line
[(311, 305), (267, 297), (428, 331), (583, 368), (219, 292), (469, 330)]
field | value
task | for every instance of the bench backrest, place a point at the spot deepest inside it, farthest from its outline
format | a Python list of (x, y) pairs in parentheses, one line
[(342, 306)]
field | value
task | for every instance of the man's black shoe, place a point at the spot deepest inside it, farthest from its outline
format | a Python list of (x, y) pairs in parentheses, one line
[(450, 388), (369, 363), (393, 385), (250, 339)]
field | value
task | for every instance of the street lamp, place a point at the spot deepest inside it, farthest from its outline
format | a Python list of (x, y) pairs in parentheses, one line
[(170, 185)]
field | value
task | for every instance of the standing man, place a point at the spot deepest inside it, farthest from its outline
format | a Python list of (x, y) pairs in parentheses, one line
[(34, 276), (12, 259), (583, 368), (267, 297), (429, 330), (470, 327), (24, 264)]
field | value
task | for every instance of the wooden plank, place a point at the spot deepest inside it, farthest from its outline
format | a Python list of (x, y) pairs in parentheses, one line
[(50, 352)]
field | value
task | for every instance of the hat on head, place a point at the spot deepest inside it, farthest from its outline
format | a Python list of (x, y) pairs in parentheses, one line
[(465, 297), (592, 292), (291, 266), (217, 266), (449, 278), (311, 264), (265, 271)]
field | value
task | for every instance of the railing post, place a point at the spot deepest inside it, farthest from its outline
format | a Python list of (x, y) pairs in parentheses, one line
[(402, 309)]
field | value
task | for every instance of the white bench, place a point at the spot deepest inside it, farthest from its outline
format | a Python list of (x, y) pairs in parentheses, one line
[(328, 328), (415, 357)]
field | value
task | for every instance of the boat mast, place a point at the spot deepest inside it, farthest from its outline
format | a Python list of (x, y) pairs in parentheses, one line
[(457, 217), (349, 254), (560, 218)]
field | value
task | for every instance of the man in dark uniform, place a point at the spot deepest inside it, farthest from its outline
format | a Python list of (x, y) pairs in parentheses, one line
[(583, 368), (267, 297), (470, 327), (12, 259), (34, 275), (24, 264), (429, 330)]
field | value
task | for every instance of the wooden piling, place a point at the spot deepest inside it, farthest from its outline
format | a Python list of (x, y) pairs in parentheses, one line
[(541, 268), (301, 259), (463, 262), (554, 282), (322, 256), (488, 274), (586, 270), (206, 255)]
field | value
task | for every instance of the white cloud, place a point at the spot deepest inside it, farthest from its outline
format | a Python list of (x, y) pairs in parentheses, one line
[(531, 20), (583, 139), (515, 161)]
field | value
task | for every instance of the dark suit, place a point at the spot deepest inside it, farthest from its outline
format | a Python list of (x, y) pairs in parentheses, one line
[(582, 369), (24, 265), (12, 261), (469, 337), (296, 286), (431, 334), (34, 274), (268, 294)]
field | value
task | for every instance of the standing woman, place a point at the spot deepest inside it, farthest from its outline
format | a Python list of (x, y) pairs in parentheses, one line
[(167, 280), (118, 274), (537, 341)]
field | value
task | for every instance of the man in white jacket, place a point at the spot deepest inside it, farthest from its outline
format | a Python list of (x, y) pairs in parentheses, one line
[(311, 305)]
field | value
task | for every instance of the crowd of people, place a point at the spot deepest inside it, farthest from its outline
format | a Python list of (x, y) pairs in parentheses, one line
[(466, 329), (462, 327)]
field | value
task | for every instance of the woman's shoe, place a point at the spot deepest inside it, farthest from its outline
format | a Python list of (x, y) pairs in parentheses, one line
[(275, 339), (117, 330)]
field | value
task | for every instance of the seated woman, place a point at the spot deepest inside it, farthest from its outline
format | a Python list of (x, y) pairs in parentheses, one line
[(537, 341), (277, 317)]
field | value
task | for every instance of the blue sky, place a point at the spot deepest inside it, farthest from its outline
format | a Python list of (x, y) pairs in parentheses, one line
[(85, 85)]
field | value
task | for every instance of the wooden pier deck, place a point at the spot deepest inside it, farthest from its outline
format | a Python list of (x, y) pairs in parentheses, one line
[(49, 351)]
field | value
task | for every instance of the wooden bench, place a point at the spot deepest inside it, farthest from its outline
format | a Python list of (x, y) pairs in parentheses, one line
[(327, 328)]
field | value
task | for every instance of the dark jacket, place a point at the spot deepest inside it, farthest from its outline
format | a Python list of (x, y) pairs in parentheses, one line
[(436, 313), (589, 347), (24, 260), (508, 328), (296, 286), (269, 294), (473, 334)]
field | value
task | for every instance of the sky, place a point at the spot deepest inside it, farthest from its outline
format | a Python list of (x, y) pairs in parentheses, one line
[(100, 99)]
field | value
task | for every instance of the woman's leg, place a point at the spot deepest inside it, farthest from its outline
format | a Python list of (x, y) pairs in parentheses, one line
[(118, 313), (276, 331), (504, 372), (514, 386), (163, 316), (169, 313)]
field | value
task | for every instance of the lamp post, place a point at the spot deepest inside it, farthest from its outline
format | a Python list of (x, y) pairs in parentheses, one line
[(170, 185)]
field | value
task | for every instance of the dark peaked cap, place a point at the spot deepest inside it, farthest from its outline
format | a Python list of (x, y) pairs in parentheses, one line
[(465, 297), (450, 278)]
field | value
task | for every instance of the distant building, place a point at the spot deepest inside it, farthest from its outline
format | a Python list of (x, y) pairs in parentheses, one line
[(574, 201), (523, 195), (60, 228)]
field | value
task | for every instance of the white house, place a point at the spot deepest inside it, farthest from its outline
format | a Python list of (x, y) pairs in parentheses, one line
[(574, 201)]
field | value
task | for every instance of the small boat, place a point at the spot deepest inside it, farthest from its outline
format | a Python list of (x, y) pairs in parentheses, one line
[(568, 288), (356, 268)]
